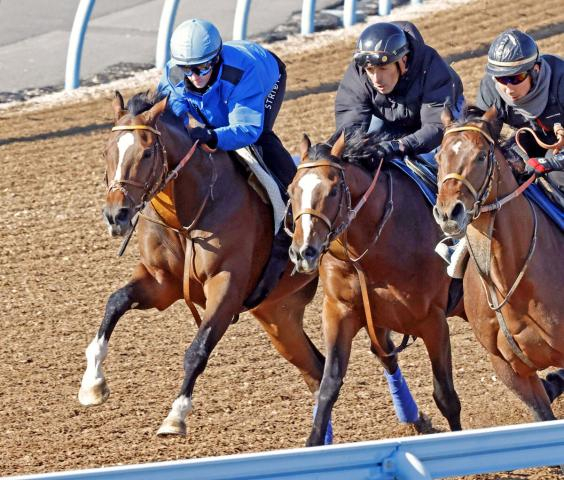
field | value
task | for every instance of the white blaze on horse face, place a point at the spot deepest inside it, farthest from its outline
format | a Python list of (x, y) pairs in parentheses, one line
[(307, 183), (456, 147), (124, 142)]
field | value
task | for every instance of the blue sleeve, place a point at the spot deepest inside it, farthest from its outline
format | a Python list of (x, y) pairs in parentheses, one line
[(246, 114)]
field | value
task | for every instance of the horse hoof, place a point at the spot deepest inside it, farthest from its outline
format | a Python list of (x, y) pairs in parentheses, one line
[(423, 425), (94, 394), (172, 427)]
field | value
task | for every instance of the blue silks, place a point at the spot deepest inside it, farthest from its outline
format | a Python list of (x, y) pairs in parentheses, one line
[(404, 404), (537, 195), (328, 440)]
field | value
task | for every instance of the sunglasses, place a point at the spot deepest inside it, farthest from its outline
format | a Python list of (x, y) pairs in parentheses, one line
[(199, 70), (513, 79)]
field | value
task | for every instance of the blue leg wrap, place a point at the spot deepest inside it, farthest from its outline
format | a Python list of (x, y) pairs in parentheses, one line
[(404, 404), (328, 440)]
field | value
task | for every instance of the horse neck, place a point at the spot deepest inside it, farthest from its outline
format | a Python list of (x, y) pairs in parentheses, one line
[(358, 182), (509, 229)]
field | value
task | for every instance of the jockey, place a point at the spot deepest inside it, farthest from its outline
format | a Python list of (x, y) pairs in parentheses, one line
[(527, 90), (235, 89), (397, 85)]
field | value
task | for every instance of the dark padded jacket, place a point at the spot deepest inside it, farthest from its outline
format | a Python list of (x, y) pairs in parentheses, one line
[(543, 125), (413, 109)]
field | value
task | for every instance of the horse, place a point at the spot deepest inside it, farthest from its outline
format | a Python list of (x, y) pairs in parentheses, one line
[(209, 249), (378, 268), (512, 286)]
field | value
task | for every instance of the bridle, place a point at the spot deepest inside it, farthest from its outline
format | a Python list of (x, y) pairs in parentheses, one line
[(484, 191), (156, 180), (344, 205)]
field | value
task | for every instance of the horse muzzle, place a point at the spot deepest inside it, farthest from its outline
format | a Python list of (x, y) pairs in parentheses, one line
[(452, 221), (118, 219), (305, 258)]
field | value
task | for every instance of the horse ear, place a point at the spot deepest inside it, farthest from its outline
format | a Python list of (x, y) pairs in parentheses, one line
[(156, 110), (118, 106), (339, 146), (491, 114), (446, 116), (305, 145)]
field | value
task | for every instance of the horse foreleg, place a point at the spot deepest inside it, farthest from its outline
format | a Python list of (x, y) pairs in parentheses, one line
[(283, 322), (437, 343), (143, 291), (529, 389), (340, 325), (223, 301)]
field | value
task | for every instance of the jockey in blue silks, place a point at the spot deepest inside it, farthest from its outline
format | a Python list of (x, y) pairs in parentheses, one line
[(235, 89)]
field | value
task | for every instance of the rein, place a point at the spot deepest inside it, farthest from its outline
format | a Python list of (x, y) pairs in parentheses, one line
[(484, 270)]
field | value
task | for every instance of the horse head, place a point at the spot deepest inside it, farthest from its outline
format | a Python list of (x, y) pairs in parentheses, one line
[(136, 163), (320, 202), (466, 168)]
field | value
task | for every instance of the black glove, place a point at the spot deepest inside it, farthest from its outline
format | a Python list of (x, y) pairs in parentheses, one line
[(204, 135), (541, 165), (389, 149)]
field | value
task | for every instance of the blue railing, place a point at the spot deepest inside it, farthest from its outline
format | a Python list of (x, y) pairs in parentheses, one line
[(412, 458), (168, 15)]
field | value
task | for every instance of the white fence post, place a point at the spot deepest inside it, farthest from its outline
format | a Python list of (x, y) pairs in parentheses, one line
[(166, 24), (308, 17), (384, 7), (241, 19), (349, 13), (76, 41)]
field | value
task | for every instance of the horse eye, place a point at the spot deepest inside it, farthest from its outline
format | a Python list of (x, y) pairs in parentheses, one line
[(333, 192), (147, 153), (482, 157)]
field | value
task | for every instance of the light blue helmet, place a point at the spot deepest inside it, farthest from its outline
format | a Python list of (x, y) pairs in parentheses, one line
[(194, 42)]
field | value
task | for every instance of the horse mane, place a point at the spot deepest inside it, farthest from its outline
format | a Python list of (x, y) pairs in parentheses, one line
[(473, 114), (143, 101)]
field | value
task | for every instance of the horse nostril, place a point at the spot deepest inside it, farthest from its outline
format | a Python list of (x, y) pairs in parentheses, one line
[(309, 253), (439, 215), (457, 211), (123, 215)]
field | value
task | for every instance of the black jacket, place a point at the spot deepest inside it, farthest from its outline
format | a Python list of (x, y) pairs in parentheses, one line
[(553, 112), (413, 109)]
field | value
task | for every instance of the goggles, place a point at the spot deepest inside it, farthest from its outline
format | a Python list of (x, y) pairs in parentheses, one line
[(199, 70), (363, 59), (512, 79)]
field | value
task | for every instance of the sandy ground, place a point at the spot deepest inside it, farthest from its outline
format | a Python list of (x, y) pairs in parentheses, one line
[(57, 268)]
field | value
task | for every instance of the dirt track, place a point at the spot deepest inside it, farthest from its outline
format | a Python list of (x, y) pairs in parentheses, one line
[(57, 268)]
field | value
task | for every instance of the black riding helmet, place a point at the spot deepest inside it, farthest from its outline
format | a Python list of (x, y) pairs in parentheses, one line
[(381, 44), (511, 53)]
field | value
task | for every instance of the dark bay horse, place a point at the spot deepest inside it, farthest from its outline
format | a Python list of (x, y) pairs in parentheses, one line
[(391, 241), (213, 255), (513, 285)]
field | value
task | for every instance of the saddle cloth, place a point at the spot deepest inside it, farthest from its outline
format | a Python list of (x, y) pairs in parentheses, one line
[(421, 175), (537, 195), (248, 156)]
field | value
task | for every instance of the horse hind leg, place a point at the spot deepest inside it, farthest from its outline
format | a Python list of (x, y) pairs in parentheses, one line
[(141, 292)]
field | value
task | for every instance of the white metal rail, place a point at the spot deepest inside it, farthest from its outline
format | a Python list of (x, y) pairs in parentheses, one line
[(411, 458), (168, 16)]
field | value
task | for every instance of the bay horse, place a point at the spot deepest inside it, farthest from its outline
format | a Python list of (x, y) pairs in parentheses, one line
[(513, 284), (389, 241), (210, 250)]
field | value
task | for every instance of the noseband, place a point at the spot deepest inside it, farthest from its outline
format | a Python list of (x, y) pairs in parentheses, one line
[(346, 205), (155, 181), (483, 192)]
